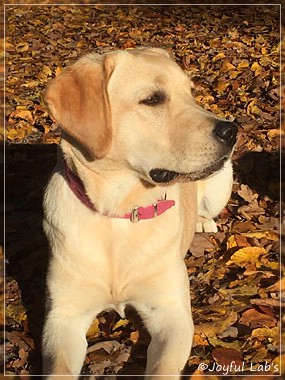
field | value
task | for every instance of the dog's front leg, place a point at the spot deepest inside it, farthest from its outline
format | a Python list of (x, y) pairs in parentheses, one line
[(64, 343), (213, 194), (72, 306), (172, 335), (170, 324)]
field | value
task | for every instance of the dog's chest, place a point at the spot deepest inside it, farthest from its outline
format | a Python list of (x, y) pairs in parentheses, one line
[(111, 254), (120, 244), (120, 254)]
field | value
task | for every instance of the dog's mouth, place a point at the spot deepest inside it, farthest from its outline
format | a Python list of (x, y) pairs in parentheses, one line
[(164, 176)]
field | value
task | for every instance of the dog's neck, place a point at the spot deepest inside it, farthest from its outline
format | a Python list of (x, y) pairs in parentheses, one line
[(114, 192), (135, 215)]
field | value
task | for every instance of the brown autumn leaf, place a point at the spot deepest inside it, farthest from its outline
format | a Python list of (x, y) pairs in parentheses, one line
[(31, 84), (257, 68), (200, 340), (45, 73), (272, 334), (243, 64), (255, 319), (218, 56), (250, 209), (108, 346), (23, 114), (221, 86), (246, 193), (22, 46), (200, 244), (225, 356), (244, 226), (242, 240)]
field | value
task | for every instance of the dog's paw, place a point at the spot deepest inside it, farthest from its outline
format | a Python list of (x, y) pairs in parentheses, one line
[(206, 225)]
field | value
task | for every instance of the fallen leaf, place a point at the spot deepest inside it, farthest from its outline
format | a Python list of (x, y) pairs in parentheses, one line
[(272, 334), (134, 336), (230, 332), (200, 340), (225, 356), (227, 66), (246, 193), (254, 319), (45, 73), (218, 56), (99, 367), (273, 133), (23, 114), (200, 244), (22, 46), (31, 84), (243, 64), (120, 323), (108, 346), (216, 342), (221, 86), (93, 329), (247, 255)]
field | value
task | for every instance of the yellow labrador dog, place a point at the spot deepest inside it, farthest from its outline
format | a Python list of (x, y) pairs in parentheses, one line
[(141, 167)]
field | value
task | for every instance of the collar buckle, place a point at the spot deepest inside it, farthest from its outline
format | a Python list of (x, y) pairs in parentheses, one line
[(155, 210), (135, 218)]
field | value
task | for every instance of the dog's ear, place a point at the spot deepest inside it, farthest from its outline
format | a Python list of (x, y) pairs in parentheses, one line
[(159, 51), (156, 50), (78, 100)]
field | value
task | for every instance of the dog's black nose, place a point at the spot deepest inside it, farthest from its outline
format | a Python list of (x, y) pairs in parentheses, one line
[(226, 132), (162, 175)]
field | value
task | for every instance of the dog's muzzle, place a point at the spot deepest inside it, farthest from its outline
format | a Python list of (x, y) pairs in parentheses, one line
[(225, 132)]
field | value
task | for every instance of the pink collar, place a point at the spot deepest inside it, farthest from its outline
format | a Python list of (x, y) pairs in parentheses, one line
[(137, 214)]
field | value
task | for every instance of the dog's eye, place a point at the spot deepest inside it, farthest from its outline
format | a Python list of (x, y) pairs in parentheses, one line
[(155, 99)]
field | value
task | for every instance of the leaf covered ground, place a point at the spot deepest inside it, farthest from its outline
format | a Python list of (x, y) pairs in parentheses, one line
[(232, 55)]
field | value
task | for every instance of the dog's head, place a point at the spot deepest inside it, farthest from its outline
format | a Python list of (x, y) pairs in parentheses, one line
[(135, 109)]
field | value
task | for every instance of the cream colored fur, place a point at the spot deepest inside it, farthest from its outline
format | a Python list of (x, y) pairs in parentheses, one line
[(112, 141)]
